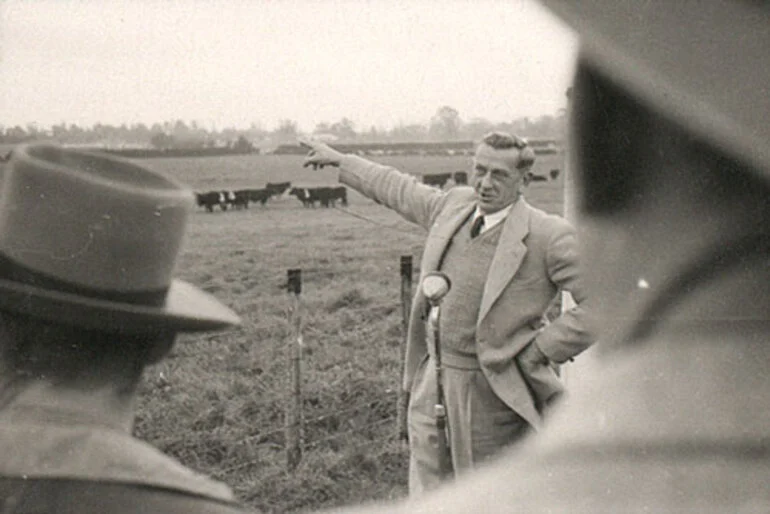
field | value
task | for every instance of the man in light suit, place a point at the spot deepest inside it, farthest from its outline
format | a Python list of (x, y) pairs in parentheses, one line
[(672, 161), (506, 261)]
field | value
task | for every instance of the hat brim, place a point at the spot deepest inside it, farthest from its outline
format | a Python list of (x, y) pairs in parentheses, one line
[(186, 309), (702, 64)]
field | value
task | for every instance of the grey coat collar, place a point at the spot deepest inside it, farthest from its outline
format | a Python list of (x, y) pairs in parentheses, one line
[(34, 446)]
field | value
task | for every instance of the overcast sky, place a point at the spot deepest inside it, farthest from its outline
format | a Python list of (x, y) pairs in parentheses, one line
[(228, 63)]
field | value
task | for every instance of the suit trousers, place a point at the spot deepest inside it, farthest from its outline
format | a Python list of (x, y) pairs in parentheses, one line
[(480, 425)]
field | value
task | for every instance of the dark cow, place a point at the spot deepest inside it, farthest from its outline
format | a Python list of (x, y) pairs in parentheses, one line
[(228, 200), (460, 178), (303, 195), (277, 188), (241, 199), (259, 195), (326, 196), (537, 178), (554, 173), (436, 179), (342, 194), (211, 199)]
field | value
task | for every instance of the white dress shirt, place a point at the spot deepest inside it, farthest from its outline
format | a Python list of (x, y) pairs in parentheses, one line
[(490, 220)]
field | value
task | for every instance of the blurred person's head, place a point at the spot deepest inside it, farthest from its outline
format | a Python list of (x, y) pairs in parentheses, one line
[(69, 357), (501, 167), (669, 146), (88, 246)]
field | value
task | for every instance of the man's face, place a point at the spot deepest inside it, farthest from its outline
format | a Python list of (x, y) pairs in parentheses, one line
[(496, 180)]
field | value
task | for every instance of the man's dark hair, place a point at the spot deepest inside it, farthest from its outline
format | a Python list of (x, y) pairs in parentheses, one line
[(505, 141), (74, 357)]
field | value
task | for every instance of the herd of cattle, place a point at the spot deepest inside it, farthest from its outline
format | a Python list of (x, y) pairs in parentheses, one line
[(241, 198), (440, 180), (323, 196)]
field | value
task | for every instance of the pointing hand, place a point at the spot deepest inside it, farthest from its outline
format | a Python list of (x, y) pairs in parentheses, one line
[(320, 154)]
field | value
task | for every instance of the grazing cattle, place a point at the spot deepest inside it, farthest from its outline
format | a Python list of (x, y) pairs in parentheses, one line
[(277, 188), (460, 177), (554, 173), (211, 199), (241, 199), (326, 196), (259, 195), (303, 195), (436, 179), (228, 199)]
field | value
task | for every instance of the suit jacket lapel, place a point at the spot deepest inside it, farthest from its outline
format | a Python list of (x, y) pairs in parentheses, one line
[(508, 255), (441, 235)]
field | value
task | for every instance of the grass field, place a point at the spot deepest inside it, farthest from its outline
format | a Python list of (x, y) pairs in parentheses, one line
[(218, 403)]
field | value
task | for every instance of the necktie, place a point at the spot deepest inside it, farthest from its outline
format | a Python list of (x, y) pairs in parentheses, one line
[(476, 227)]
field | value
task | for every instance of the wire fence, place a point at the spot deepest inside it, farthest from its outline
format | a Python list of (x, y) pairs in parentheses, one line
[(297, 422), (409, 230)]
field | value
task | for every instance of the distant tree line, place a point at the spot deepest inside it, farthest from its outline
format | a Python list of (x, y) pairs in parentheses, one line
[(445, 125)]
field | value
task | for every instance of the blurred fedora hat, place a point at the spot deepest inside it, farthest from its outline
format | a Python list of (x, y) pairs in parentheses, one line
[(704, 64), (92, 240)]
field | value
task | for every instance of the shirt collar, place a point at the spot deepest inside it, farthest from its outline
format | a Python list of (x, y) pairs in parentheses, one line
[(490, 220)]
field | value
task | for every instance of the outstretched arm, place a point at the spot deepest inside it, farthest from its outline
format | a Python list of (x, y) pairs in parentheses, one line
[(415, 201)]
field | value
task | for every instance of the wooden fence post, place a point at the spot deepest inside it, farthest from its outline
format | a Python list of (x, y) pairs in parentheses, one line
[(406, 308), (294, 410)]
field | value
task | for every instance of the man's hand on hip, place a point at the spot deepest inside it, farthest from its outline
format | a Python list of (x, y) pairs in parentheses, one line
[(320, 154), (533, 355)]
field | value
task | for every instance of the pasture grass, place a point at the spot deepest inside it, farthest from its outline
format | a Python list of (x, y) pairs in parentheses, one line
[(218, 402)]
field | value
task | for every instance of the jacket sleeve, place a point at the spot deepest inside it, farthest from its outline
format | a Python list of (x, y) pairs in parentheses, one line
[(402, 192), (569, 334)]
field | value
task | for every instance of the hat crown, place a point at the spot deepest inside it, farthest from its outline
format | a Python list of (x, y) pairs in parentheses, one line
[(92, 221), (702, 64)]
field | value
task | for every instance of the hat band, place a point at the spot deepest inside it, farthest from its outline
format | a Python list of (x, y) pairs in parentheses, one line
[(10, 270)]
